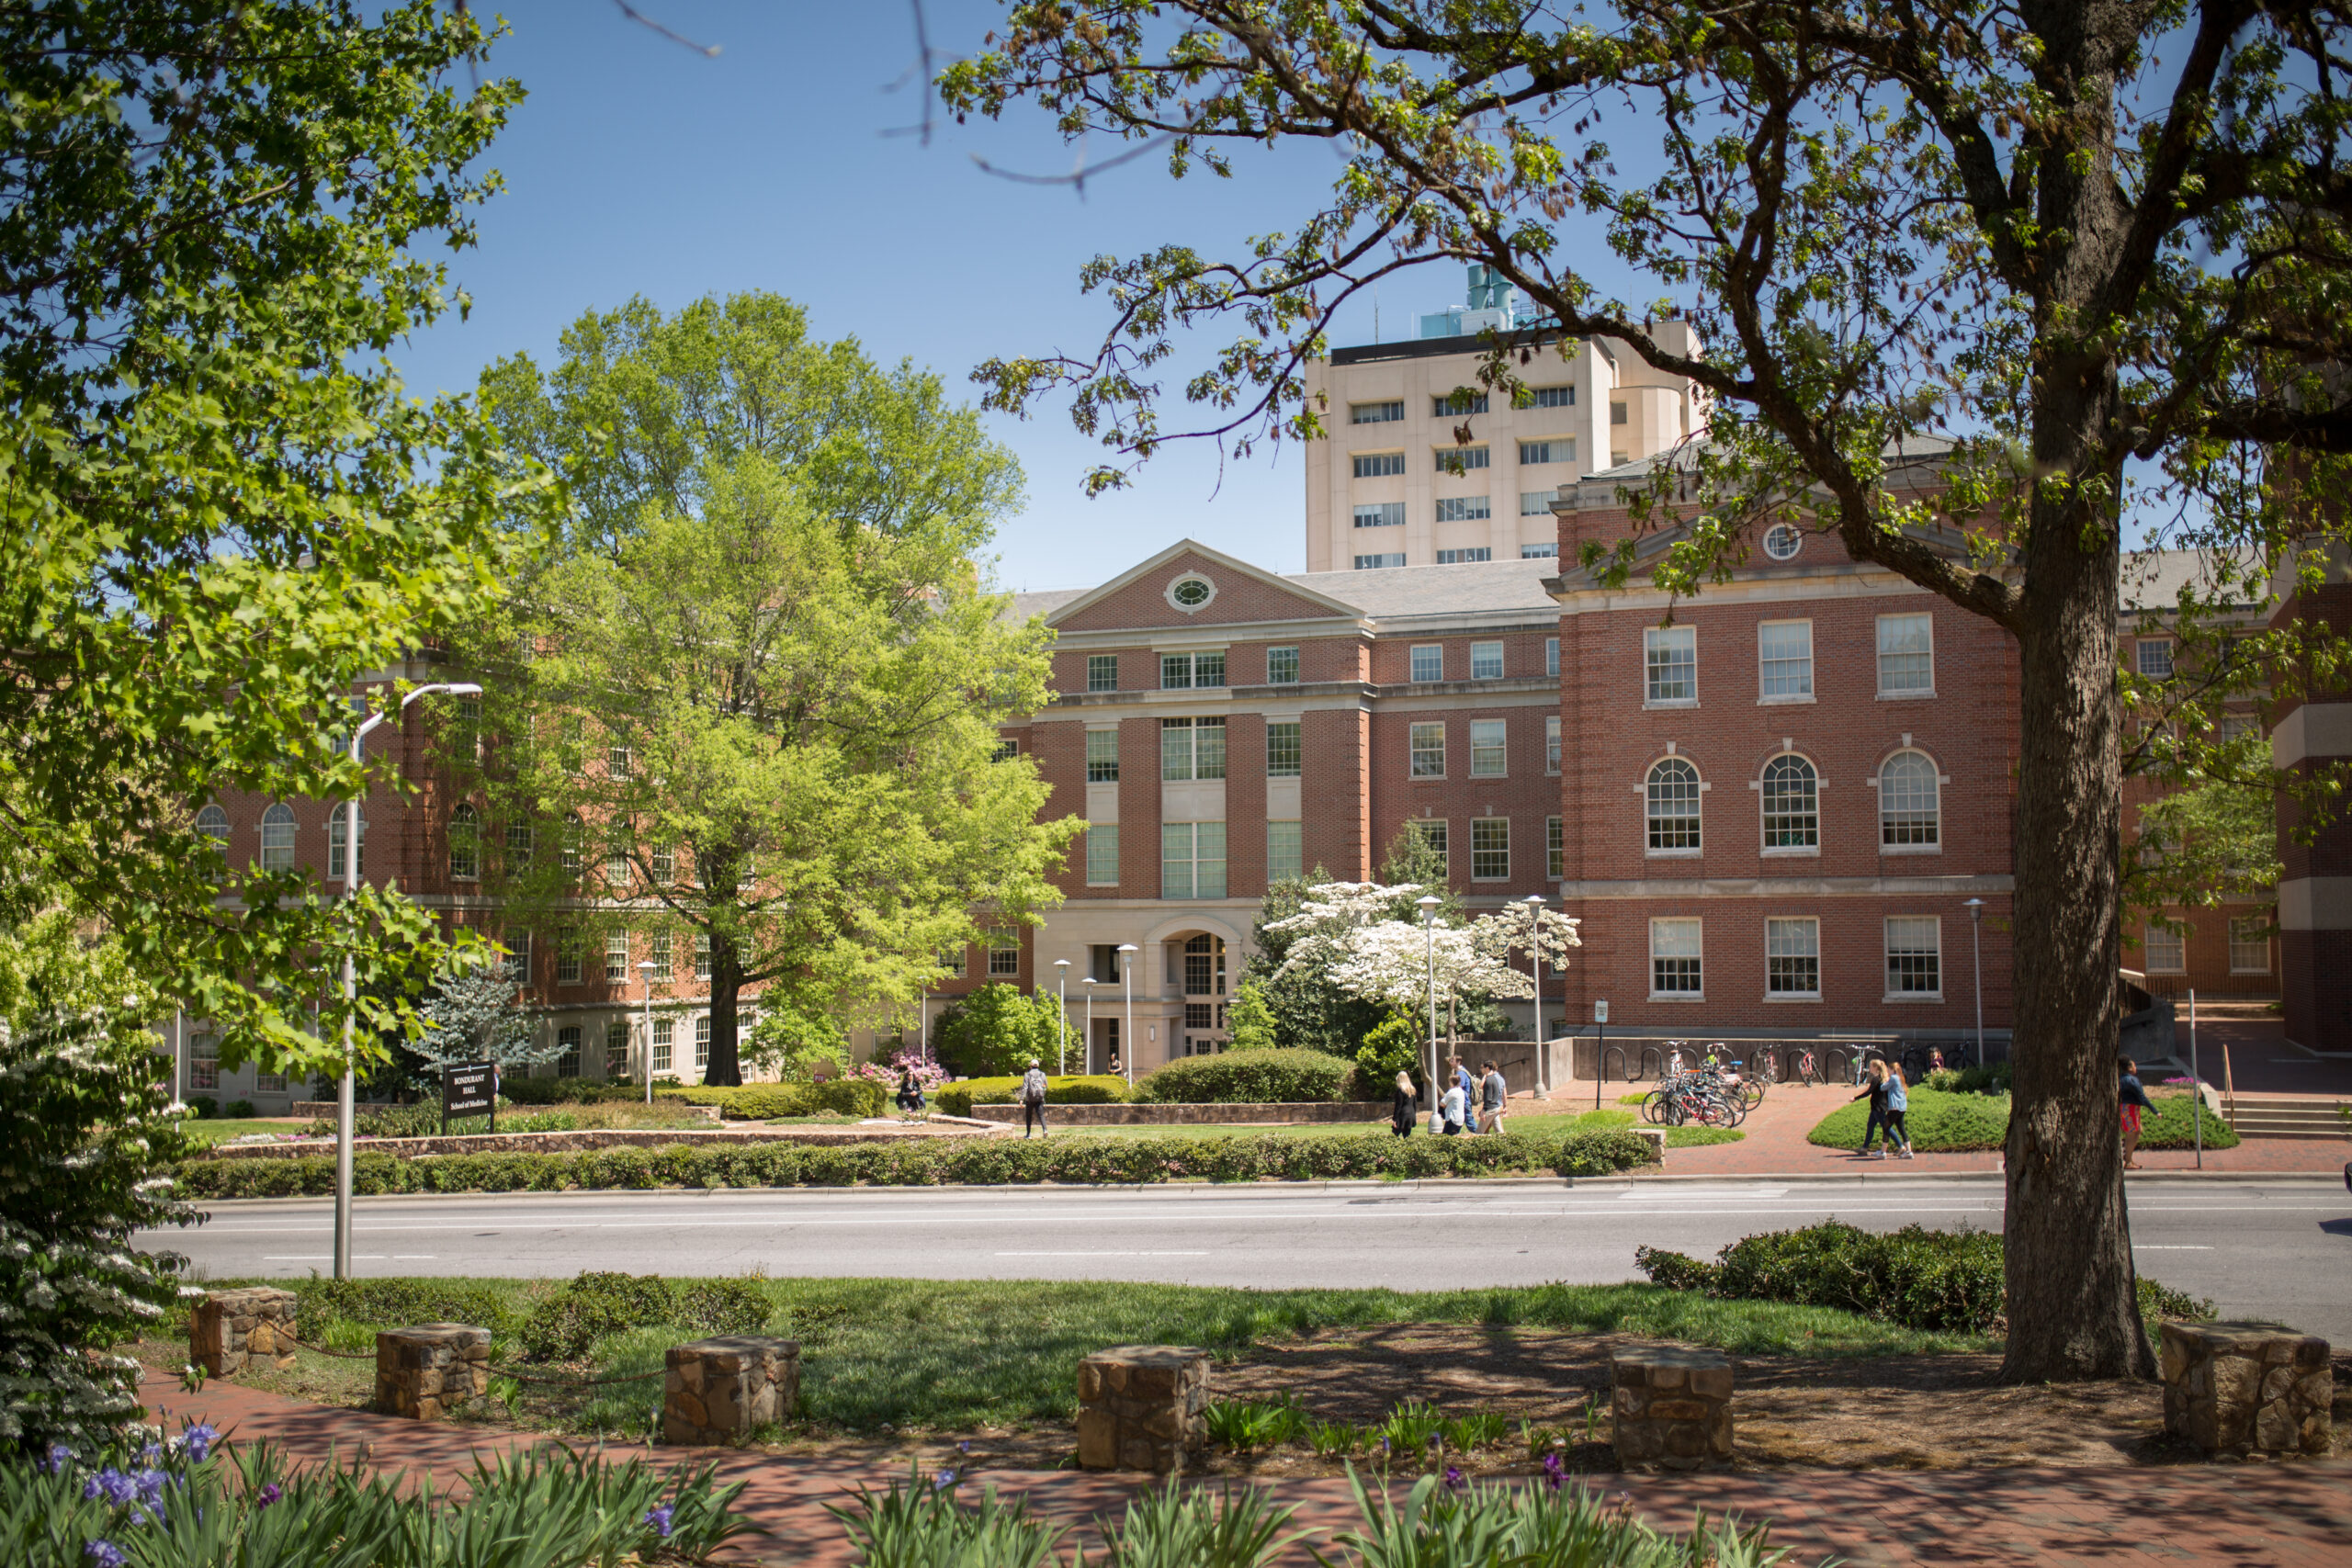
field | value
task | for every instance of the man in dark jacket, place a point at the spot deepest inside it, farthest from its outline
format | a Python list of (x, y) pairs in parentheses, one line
[(1032, 1099)]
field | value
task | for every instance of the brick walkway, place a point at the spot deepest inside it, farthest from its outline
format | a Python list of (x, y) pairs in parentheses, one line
[(2278, 1516)]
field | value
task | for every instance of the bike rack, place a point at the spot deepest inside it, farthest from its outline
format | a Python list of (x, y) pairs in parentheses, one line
[(1837, 1064), (1652, 1053), (1618, 1051)]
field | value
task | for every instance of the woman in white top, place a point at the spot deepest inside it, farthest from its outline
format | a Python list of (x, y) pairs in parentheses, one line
[(1450, 1108)]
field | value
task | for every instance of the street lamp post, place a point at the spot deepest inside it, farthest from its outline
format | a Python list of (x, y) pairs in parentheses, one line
[(1536, 947), (1427, 904), (1061, 1040), (645, 972), (1976, 951), (346, 1091), (1127, 952), (1090, 983)]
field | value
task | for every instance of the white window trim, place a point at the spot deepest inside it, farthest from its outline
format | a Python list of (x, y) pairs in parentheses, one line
[(1820, 787), (1799, 701), (1642, 794), (1654, 703), (1505, 771), (1878, 822), (1473, 848), (1934, 664), (1411, 652), (1772, 996), (1649, 962), (1501, 658)]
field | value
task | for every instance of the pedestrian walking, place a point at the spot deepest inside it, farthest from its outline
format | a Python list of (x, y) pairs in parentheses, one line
[(1450, 1110), (1493, 1093), (1032, 1099), (1898, 1100), (1403, 1110), (2132, 1099), (1469, 1085), (1874, 1090)]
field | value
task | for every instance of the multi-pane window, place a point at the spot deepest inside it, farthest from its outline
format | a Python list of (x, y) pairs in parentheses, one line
[(1464, 508), (1561, 450), (1550, 397), (702, 956), (213, 823), (1537, 503), (567, 958), (1552, 743), (1675, 958), (1486, 661), (1182, 672), (516, 964), (204, 1062), (575, 834), (1539, 552), (618, 868), (465, 844), (1792, 804), (2249, 946), (1373, 563), (1455, 404), (1555, 848), (1489, 748), (1432, 831), (659, 951), (2164, 952), (1909, 812), (2155, 657), (1375, 413), (1793, 958), (1284, 852), (1906, 655), (1671, 658), (1673, 806), (1490, 848), (1283, 749), (1380, 514), (1006, 751), (1462, 460), (1103, 855), (616, 958), (1427, 742), (1784, 658), (1102, 672), (278, 838), (957, 962), (702, 1043), (1458, 558), (1203, 967), (1915, 955), (1004, 953), (567, 1060), (1282, 667), (618, 761), (1191, 860), (665, 859), (1552, 656), (665, 1033), (519, 847), (1428, 662), (616, 1049), (1191, 749), (338, 830), (1102, 756), (1378, 464)]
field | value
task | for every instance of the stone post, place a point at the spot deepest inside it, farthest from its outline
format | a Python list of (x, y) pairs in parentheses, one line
[(1671, 1408), (432, 1370), (1139, 1406), (2241, 1388), (229, 1328), (715, 1391)]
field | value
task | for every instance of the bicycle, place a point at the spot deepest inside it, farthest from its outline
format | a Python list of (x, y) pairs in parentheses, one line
[(1808, 1071)]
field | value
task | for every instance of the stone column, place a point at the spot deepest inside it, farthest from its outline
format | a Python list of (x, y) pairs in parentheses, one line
[(432, 1370), (1672, 1408), (229, 1328), (715, 1391), (2241, 1388), (1139, 1406)]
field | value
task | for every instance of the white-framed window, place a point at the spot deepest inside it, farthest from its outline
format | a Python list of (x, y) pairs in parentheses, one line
[(1555, 848), (567, 1060), (1375, 413), (1463, 509), (1915, 955), (618, 761), (1427, 742), (2154, 656), (1004, 954), (1539, 552), (1675, 957), (665, 1033), (2249, 946), (1428, 662), (1537, 503), (1454, 405), (1782, 541), (1462, 556), (277, 837), (1793, 957), (2164, 952), (1490, 848), (575, 835), (1910, 806), (1102, 756), (1551, 396), (1285, 851), (213, 823), (1103, 855), (1380, 514), (1191, 749), (1670, 661), (702, 1043), (1552, 656), (204, 1062), (1373, 563), (956, 960), (1282, 666), (702, 956), (1433, 832), (567, 958), (665, 859), (1378, 464), (1792, 804), (1006, 751), (1489, 748), (1672, 807), (658, 946), (338, 831), (616, 957), (1558, 449), (1102, 672), (1906, 655), (516, 964), (1191, 860), (1460, 460), (465, 844), (1182, 671), (1552, 743), (1784, 660), (266, 1082), (1486, 661), (1283, 749), (518, 846), (616, 1049), (617, 867)]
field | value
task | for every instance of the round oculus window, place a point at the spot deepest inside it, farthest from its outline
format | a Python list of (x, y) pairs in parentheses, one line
[(1782, 542), (1191, 592)]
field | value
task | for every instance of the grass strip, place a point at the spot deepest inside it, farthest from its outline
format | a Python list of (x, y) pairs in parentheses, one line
[(1951, 1123)]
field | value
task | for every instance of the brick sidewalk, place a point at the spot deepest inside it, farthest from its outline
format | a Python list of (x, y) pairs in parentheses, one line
[(2286, 1514)]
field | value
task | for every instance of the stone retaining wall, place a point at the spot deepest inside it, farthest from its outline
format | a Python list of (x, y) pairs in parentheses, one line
[(594, 1138), (229, 1328), (1189, 1115)]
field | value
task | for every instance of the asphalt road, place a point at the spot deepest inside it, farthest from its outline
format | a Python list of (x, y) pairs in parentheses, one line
[(2278, 1248)]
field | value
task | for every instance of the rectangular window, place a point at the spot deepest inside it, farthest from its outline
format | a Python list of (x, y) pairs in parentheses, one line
[(1555, 848), (1674, 958), (1282, 667), (1103, 855), (702, 956), (2249, 946), (1433, 833), (1537, 503), (1539, 552), (1455, 404), (1793, 958), (2164, 952), (1428, 743), (516, 965), (1490, 848), (1616, 413), (2155, 657), (1552, 743), (617, 762), (204, 1062), (1489, 748), (665, 863), (567, 1061), (1102, 756), (660, 956), (1462, 460), (702, 1043), (616, 1049), (1282, 751), (1671, 656), (1182, 671), (1004, 954), (1552, 656), (1191, 860), (339, 827), (1915, 956), (1486, 661), (1906, 655), (1456, 558), (1006, 751), (268, 1083), (1463, 509), (567, 959), (1428, 662), (1191, 749), (1381, 514), (616, 958), (1784, 652), (1284, 852), (1375, 413), (956, 960), (1561, 450), (1378, 464), (1550, 397), (665, 1033), (1371, 563), (1102, 672)]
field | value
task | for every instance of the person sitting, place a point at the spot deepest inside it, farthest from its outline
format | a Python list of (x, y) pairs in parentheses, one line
[(911, 1093)]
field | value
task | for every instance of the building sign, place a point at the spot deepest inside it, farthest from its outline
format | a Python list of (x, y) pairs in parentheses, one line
[(470, 1088)]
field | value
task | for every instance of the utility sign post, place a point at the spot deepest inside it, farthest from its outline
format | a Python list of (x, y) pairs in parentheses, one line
[(470, 1088), (1600, 1046)]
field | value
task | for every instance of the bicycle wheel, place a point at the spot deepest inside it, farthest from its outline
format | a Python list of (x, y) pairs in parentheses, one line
[(1751, 1092), (1653, 1107), (1808, 1071)]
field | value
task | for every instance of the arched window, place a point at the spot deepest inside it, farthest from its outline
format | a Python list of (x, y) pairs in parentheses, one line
[(465, 844), (278, 838), (213, 823), (519, 847), (575, 833), (338, 826), (1792, 804), (1673, 805), (1910, 807)]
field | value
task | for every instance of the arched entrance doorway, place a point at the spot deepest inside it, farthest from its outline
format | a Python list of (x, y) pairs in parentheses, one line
[(1198, 963)]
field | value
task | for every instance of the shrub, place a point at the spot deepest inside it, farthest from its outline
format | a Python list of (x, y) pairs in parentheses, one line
[(771, 1102), (398, 1303), (722, 1306), (1250, 1019), (957, 1098), (566, 1323), (1394, 1047), (238, 1111), (1947, 1123), (205, 1106), (996, 1030), (1992, 1080), (1253, 1078)]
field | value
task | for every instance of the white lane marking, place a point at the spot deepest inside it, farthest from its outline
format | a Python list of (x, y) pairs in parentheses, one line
[(412, 1256), (327, 1257), (1708, 1194), (2166, 1247), (1201, 1254)]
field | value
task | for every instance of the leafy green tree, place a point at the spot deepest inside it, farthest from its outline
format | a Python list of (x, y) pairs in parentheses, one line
[(1248, 1019), (996, 1030), (1394, 1046), (790, 1040), (2091, 259), (475, 1014), (761, 704)]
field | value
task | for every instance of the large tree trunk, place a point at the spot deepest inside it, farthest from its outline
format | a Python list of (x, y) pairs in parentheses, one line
[(726, 984)]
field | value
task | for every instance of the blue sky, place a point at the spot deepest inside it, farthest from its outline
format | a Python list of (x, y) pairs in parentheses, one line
[(639, 167)]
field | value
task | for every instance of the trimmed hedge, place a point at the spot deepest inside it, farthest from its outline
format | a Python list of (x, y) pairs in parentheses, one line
[(930, 1162), (396, 1302), (959, 1098), (1255, 1077), (748, 1102), (1949, 1123)]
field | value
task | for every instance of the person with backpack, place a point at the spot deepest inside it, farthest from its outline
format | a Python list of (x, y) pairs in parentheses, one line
[(1032, 1099), (2133, 1100), (1492, 1094)]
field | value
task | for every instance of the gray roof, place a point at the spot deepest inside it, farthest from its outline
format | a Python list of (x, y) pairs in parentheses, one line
[(1683, 457), (1466, 589), (1044, 602), (2153, 578)]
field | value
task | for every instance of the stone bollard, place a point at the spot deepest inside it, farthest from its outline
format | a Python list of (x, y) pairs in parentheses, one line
[(1139, 1406), (2243, 1388), (229, 1328), (1671, 1408), (432, 1370), (715, 1391)]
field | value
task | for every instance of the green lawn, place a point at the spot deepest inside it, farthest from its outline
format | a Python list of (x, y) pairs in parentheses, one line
[(206, 1133), (1551, 1122), (1946, 1124)]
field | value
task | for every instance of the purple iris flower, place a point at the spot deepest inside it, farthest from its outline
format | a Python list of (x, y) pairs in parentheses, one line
[(1453, 1482), (57, 1459), (942, 1481), (104, 1554), (659, 1519), (1555, 1474), (113, 1486), (197, 1442), (270, 1494)]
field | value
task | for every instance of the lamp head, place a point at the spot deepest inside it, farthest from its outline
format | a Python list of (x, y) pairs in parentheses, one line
[(1974, 907), (646, 965), (1061, 963), (464, 689), (1429, 904), (1535, 900)]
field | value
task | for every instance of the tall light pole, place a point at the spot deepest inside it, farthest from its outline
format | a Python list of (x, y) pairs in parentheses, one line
[(1536, 947), (645, 972), (1090, 983), (1061, 1040), (1976, 950), (346, 1091), (1127, 952), (1429, 905)]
